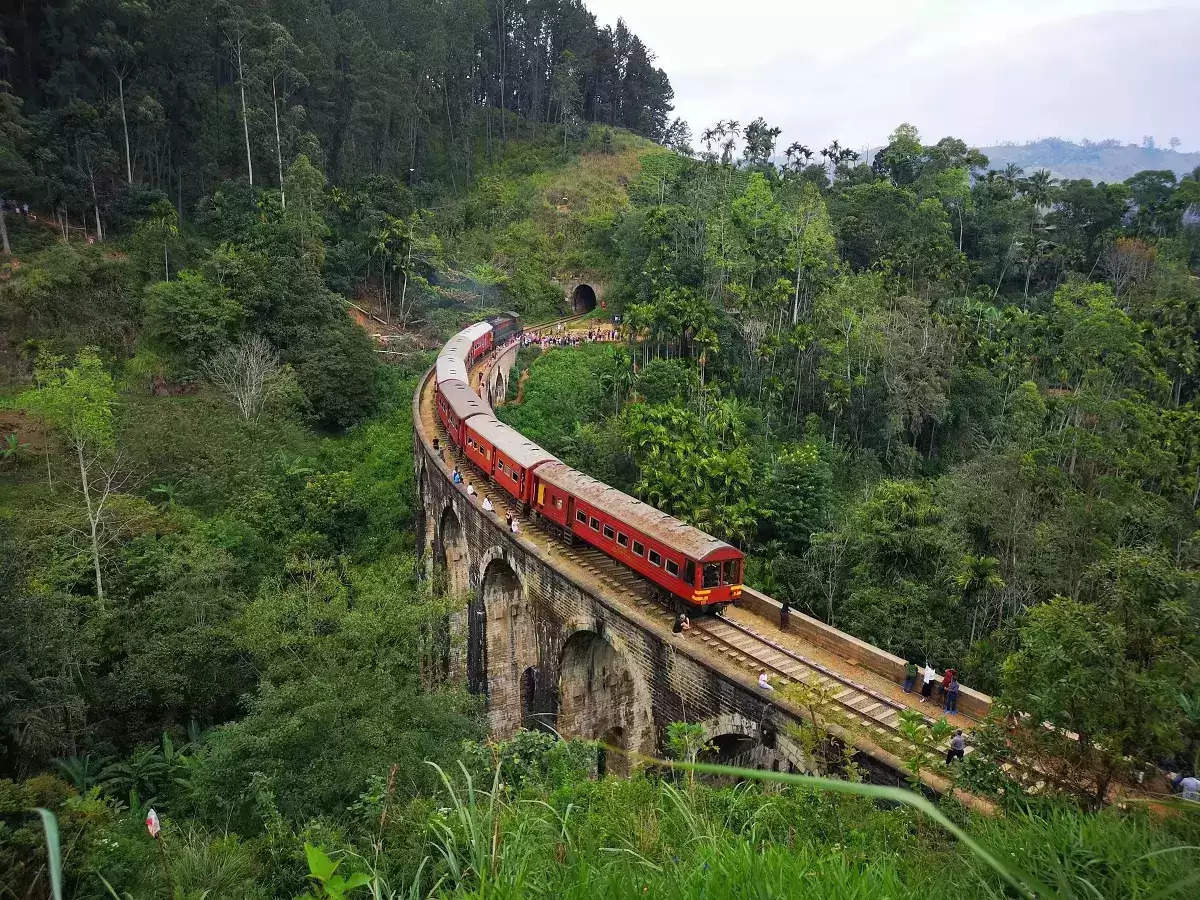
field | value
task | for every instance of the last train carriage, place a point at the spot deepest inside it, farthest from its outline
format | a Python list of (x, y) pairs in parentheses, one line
[(690, 567)]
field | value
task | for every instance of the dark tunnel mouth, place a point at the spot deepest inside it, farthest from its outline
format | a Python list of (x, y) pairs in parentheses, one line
[(583, 299)]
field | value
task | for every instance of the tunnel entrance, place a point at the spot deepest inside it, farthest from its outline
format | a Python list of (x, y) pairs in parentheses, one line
[(583, 299)]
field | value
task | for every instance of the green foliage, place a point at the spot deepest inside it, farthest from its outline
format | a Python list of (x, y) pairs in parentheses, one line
[(191, 317), (77, 400), (323, 871)]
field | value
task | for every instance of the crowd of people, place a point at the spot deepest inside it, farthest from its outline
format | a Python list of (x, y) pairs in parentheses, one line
[(561, 337)]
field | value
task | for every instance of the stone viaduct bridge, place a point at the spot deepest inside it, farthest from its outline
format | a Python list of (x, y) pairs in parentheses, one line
[(564, 638)]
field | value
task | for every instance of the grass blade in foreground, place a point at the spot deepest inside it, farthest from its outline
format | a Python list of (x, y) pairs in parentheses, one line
[(53, 851)]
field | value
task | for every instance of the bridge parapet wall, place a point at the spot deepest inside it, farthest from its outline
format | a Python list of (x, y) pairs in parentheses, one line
[(975, 704)]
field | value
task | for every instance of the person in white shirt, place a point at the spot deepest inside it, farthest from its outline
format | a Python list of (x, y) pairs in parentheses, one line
[(927, 684), (516, 529), (763, 682), (487, 504), (470, 489)]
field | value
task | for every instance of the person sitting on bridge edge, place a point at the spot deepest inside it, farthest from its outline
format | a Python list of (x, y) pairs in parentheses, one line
[(952, 694), (487, 503), (682, 623), (456, 476), (910, 677), (437, 446), (927, 682), (470, 489), (958, 746), (763, 682)]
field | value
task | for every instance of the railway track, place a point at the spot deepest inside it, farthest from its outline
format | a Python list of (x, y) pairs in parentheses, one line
[(852, 705)]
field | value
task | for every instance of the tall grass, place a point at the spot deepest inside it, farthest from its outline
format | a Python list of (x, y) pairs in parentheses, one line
[(646, 838)]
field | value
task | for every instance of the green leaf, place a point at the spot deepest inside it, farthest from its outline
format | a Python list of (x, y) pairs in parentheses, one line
[(320, 866)]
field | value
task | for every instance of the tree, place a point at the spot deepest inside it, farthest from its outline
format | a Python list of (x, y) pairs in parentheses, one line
[(282, 59), (237, 29), (796, 496), (1107, 674), (250, 373), (15, 172), (119, 49), (191, 316), (78, 401)]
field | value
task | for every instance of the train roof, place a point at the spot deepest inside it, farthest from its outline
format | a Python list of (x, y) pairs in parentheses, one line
[(633, 512), (476, 331), (451, 368), (524, 452), (463, 401)]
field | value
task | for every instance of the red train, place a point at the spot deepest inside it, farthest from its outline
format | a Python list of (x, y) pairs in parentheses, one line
[(695, 568)]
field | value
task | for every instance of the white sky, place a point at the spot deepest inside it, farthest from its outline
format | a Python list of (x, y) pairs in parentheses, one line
[(982, 70)]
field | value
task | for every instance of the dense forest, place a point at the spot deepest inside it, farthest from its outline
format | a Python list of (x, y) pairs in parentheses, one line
[(950, 408)]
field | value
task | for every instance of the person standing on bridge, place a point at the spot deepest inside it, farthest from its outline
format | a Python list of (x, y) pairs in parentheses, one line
[(910, 677), (785, 615), (927, 683), (952, 694), (945, 685)]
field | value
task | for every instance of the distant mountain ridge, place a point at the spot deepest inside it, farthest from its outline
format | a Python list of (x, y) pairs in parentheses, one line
[(1097, 160)]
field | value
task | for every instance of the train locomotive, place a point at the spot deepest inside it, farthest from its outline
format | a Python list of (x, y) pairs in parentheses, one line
[(691, 568)]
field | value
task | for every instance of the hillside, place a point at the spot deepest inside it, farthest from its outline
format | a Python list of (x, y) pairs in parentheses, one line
[(1108, 161)]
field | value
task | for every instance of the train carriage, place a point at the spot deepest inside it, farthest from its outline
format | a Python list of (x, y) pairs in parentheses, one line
[(477, 339), (504, 454), (695, 567), (456, 403)]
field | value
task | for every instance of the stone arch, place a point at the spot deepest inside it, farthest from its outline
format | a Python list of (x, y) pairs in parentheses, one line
[(452, 555), (507, 644), (738, 740), (599, 698), (583, 298)]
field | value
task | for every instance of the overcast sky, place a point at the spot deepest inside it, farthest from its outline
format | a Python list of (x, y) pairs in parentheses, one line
[(983, 70)]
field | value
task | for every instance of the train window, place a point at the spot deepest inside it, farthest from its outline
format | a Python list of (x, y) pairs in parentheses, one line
[(594, 524), (638, 549), (732, 571), (654, 557), (673, 567), (608, 532), (689, 572), (580, 516), (712, 575), (558, 502), (622, 539)]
